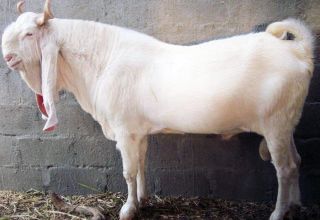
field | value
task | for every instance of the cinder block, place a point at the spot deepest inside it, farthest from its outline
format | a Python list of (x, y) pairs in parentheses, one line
[(19, 120), (163, 151), (13, 90), (314, 94), (93, 151), (116, 181), (309, 185), (310, 169), (26, 120), (20, 179), (7, 150), (75, 181), (50, 151), (200, 151), (309, 125), (212, 152), (309, 151), (74, 121), (253, 184), (181, 182)]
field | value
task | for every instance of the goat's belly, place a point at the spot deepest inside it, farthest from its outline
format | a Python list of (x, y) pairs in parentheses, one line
[(201, 101), (199, 126), (199, 118)]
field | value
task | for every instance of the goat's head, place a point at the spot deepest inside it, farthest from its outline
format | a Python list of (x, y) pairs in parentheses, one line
[(23, 46)]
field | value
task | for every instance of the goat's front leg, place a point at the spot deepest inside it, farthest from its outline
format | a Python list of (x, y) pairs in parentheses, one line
[(129, 148), (142, 192)]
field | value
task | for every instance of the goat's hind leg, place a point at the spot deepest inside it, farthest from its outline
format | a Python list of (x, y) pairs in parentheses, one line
[(287, 168), (294, 190)]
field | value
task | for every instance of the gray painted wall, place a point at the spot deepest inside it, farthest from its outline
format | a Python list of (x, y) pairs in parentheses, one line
[(77, 157)]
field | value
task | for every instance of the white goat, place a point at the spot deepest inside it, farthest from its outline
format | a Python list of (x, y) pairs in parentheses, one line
[(135, 85)]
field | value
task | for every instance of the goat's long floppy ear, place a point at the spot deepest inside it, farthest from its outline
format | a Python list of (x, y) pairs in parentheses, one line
[(49, 64), (47, 14)]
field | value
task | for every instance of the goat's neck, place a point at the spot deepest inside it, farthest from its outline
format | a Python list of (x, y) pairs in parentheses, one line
[(84, 55)]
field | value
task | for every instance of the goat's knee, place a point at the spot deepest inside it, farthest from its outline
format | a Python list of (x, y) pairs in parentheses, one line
[(130, 175), (287, 172)]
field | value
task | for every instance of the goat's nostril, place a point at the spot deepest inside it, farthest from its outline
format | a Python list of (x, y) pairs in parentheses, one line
[(8, 57)]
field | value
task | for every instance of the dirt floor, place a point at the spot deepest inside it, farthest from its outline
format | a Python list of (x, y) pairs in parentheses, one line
[(37, 205)]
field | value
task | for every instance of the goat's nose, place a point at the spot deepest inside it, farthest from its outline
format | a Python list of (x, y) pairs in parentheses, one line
[(8, 57)]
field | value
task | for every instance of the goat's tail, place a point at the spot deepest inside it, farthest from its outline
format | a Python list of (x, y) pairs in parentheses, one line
[(295, 30)]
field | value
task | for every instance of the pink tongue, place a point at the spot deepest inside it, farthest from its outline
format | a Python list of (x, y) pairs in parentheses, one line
[(43, 110)]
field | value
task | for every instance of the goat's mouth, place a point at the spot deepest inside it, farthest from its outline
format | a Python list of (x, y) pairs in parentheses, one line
[(14, 65)]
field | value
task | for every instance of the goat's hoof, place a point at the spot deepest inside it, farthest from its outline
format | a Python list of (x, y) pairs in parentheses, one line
[(294, 212), (128, 211), (276, 215)]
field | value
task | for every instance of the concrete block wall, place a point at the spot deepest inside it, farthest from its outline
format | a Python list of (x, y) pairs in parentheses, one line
[(77, 159)]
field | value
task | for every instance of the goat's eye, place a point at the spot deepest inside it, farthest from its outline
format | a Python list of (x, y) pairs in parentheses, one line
[(29, 34)]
